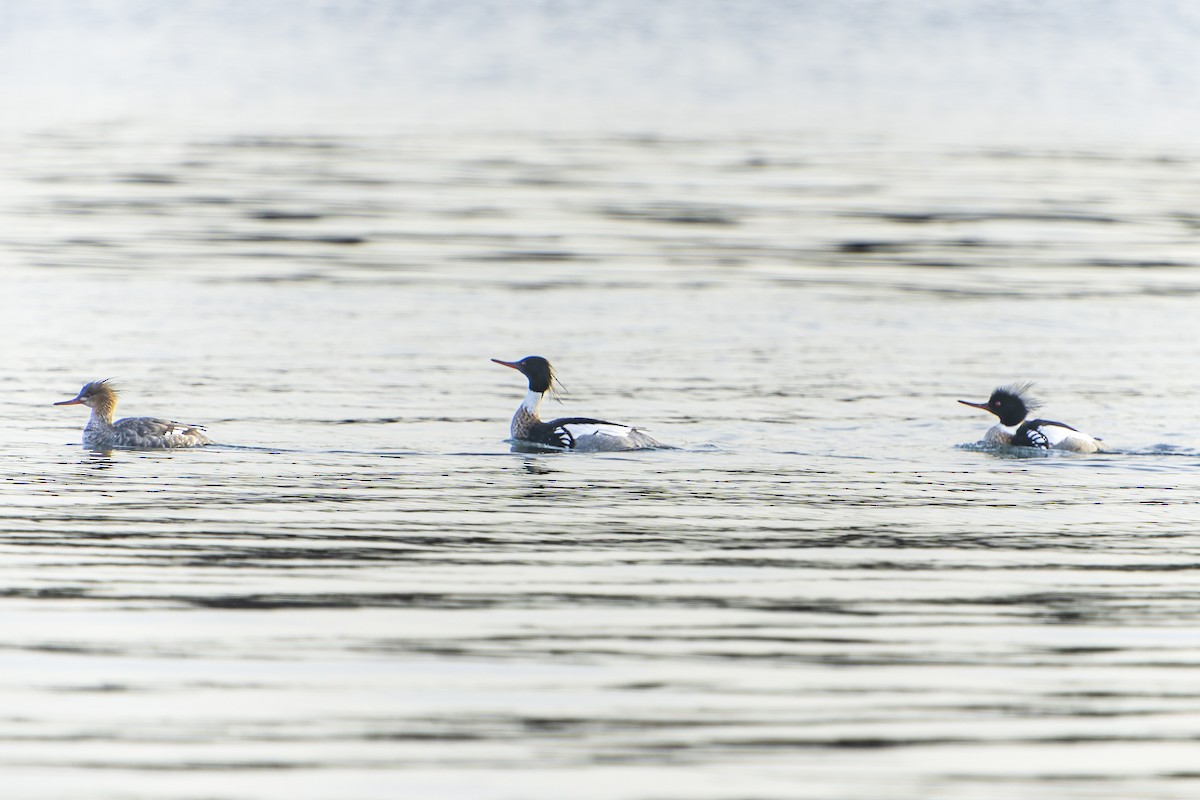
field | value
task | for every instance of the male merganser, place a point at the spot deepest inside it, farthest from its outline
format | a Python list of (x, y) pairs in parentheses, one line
[(1012, 406), (567, 433), (132, 433)]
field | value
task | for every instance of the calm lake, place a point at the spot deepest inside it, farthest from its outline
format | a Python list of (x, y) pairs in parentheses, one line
[(824, 591)]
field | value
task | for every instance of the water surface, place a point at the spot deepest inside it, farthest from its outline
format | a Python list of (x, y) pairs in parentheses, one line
[(824, 591)]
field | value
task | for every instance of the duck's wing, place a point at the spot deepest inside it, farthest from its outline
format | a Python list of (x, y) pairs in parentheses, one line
[(1046, 434), (597, 435), (566, 431), (153, 426), (152, 433)]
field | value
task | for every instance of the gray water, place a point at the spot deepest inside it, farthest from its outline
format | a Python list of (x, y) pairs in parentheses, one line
[(824, 591)]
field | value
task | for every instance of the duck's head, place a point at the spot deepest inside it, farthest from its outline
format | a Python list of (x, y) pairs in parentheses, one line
[(1010, 403), (536, 369), (97, 394)]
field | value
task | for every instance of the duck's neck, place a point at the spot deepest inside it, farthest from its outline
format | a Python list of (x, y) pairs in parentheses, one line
[(102, 416), (527, 415), (531, 403)]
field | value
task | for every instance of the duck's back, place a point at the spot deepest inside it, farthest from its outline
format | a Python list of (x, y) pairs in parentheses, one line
[(591, 435), (632, 439), (1051, 435), (147, 433)]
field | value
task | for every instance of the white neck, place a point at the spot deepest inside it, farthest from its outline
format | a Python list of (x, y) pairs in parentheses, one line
[(531, 403)]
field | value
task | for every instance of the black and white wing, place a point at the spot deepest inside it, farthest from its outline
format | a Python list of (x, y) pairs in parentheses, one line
[(1047, 434), (597, 435)]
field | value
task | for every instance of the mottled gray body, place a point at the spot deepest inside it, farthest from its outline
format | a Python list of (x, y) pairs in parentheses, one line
[(141, 433)]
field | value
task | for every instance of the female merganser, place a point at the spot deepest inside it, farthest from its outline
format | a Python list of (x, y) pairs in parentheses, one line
[(1012, 406), (132, 433), (567, 433)]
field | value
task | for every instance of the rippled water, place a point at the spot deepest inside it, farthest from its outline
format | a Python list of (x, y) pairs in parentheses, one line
[(823, 592)]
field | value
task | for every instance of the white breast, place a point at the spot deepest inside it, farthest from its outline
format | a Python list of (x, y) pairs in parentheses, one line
[(1000, 434)]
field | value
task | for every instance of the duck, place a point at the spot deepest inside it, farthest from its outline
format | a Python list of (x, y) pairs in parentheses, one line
[(131, 433), (1012, 405), (529, 431)]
